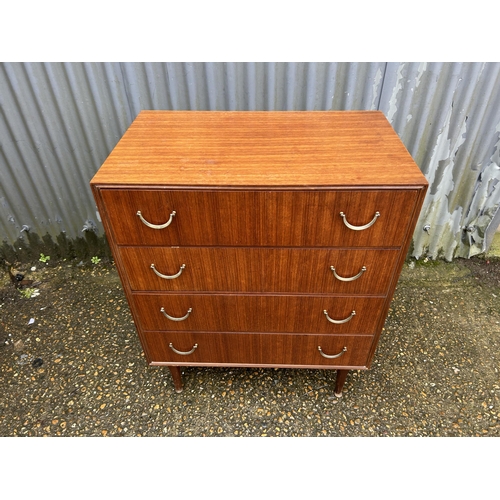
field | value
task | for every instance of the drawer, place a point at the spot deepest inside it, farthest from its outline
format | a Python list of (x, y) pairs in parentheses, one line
[(264, 270), (245, 349), (260, 218), (258, 313)]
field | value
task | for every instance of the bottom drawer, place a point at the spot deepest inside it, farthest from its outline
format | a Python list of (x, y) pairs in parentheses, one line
[(265, 349)]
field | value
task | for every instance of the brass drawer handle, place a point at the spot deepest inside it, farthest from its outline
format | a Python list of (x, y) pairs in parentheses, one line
[(352, 278), (164, 276), (339, 321), (329, 356), (156, 226), (181, 352), (359, 228), (176, 319)]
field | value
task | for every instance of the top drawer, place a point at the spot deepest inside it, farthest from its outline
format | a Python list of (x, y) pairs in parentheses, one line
[(260, 218)]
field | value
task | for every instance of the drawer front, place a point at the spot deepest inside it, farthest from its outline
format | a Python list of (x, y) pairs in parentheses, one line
[(258, 313), (257, 349), (260, 218), (263, 270)]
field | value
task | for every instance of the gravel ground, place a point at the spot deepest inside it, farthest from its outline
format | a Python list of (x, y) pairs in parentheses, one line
[(71, 365)]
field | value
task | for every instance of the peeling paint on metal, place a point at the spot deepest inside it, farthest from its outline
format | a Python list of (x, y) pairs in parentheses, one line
[(375, 89), (393, 100), (482, 210), (421, 70), (436, 209)]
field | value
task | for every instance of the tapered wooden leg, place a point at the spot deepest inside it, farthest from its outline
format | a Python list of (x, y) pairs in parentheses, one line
[(177, 377), (339, 382)]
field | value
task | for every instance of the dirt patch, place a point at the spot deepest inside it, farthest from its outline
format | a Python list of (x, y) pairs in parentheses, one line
[(487, 271)]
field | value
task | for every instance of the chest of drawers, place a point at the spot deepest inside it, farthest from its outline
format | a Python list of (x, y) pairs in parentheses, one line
[(259, 239)]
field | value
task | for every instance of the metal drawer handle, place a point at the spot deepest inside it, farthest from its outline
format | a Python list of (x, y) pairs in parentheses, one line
[(329, 356), (184, 353), (176, 319), (339, 321), (164, 276), (156, 226), (352, 278), (360, 228)]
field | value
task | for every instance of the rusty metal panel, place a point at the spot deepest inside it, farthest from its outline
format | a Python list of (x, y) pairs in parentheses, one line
[(59, 121)]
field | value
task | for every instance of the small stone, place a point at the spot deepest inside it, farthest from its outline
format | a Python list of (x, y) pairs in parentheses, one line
[(19, 345), (37, 362)]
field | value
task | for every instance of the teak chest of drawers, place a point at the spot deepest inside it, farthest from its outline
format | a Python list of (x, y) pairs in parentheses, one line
[(259, 239)]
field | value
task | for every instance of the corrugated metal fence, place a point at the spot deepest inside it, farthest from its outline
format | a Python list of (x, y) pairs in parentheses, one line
[(59, 121)]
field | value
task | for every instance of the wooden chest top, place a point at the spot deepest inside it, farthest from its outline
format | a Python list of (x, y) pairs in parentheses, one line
[(260, 149)]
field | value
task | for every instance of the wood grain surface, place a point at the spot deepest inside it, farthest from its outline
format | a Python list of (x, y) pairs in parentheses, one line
[(257, 349), (264, 270), (261, 148), (260, 218), (258, 313)]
